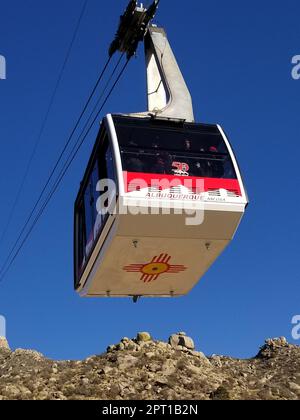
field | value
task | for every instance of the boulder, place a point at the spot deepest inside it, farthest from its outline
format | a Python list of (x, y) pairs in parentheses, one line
[(179, 340), (143, 337), (276, 342), (273, 346)]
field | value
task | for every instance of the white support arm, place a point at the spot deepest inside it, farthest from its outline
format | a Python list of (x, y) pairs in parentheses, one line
[(168, 94)]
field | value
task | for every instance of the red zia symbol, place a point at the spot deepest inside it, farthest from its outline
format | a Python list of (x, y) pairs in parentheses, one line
[(158, 266)]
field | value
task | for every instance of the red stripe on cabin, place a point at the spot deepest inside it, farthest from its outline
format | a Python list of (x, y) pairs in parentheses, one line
[(209, 184)]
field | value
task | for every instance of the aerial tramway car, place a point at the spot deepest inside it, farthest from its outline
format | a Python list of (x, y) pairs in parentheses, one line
[(171, 196)]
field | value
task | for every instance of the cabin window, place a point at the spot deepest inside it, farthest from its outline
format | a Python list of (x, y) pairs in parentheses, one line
[(186, 150), (89, 222), (90, 199), (81, 236)]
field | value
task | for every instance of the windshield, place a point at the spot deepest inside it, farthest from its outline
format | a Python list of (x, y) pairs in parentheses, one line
[(180, 150)]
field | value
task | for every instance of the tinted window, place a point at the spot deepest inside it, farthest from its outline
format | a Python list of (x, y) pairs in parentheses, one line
[(90, 198), (90, 222), (185, 150), (81, 236)]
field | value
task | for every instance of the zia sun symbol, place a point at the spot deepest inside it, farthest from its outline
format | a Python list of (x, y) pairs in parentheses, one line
[(152, 270)]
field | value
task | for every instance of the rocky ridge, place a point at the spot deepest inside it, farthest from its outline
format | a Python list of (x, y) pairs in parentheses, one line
[(147, 369)]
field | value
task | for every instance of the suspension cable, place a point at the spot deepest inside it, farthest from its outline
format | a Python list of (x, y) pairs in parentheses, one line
[(43, 126), (4, 270)]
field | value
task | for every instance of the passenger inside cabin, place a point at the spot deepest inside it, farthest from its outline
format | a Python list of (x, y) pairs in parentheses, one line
[(162, 164), (134, 164), (215, 166), (188, 145)]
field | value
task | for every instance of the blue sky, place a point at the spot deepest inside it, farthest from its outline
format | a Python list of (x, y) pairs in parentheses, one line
[(236, 58)]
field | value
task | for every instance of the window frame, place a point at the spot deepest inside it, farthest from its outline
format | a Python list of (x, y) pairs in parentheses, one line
[(103, 141), (190, 131)]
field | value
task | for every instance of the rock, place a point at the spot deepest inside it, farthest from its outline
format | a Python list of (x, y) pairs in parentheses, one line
[(148, 370), (276, 342), (43, 395), (222, 393), (179, 348), (177, 341), (194, 370), (169, 367), (161, 381), (131, 346), (198, 354), (127, 362), (163, 346), (143, 337), (4, 344), (105, 371), (111, 348), (265, 394), (120, 347), (294, 388), (272, 345), (174, 341), (32, 354), (115, 390), (262, 381), (85, 381), (12, 391)]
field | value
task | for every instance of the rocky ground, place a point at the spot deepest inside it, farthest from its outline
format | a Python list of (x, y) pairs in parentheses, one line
[(143, 368)]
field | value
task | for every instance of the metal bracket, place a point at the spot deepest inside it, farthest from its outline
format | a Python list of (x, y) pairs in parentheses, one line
[(136, 299), (132, 28), (168, 94)]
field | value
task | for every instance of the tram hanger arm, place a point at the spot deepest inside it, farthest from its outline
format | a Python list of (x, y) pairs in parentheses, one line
[(168, 94)]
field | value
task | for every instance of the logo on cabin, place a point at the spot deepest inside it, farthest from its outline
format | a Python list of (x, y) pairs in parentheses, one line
[(152, 270), (181, 168)]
